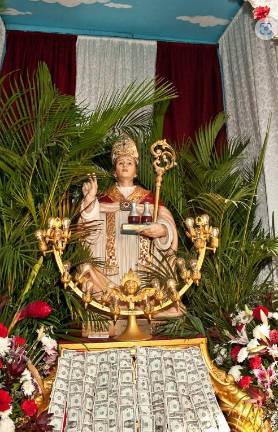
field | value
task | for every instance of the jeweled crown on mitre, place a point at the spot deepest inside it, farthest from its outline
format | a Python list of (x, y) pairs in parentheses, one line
[(125, 146)]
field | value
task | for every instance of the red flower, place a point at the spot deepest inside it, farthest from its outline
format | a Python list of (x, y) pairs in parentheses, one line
[(257, 394), (245, 382), (239, 327), (1, 364), (3, 331), (255, 362), (261, 12), (273, 336), (18, 341), (5, 400), (37, 309), (257, 312), (234, 352), (29, 407)]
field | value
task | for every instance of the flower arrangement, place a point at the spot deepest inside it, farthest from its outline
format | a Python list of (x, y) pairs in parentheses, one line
[(265, 8), (250, 355), (18, 386)]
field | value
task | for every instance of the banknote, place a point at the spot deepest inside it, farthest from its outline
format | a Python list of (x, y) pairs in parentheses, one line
[(127, 401), (77, 373), (88, 388), (157, 397), (179, 364), (192, 377), (57, 410), (91, 358), (169, 372), (100, 411), (193, 427), (178, 354), (59, 397), (100, 426), (88, 402), (75, 399), (186, 402), (102, 379), (181, 376), (127, 418), (112, 357), (102, 395), (75, 387), (198, 398), (170, 386), (143, 384), (57, 423), (157, 386), (124, 363), (191, 415), (156, 376), (155, 364), (104, 367), (176, 424), (91, 369), (126, 391), (61, 384), (173, 405), (144, 398), (126, 376), (87, 418)]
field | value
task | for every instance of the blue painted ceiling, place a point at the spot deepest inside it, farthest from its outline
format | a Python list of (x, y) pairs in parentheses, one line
[(198, 21)]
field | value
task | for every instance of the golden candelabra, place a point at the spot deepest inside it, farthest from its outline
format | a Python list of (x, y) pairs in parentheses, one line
[(55, 237), (130, 299)]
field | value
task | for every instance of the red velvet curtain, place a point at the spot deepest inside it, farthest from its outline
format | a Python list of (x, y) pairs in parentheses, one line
[(195, 72), (25, 49)]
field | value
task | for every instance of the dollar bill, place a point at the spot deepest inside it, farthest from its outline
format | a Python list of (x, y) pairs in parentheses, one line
[(88, 402), (59, 397), (126, 391), (102, 379), (157, 386), (100, 411), (75, 387), (198, 398), (102, 395), (75, 399), (170, 386), (77, 373), (100, 426), (125, 377), (181, 376), (61, 384), (176, 424), (91, 369), (173, 405)]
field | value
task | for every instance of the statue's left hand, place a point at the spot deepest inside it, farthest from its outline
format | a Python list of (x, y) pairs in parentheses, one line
[(154, 230)]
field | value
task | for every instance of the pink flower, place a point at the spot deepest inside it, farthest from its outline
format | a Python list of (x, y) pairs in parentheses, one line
[(245, 382), (273, 336), (257, 395), (3, 331), (255, 362), (37, 309), (257, 312), (265, 376), (234, 352), (261, 12)]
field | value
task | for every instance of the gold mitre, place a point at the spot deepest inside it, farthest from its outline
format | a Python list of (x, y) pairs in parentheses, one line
[(125, 146)]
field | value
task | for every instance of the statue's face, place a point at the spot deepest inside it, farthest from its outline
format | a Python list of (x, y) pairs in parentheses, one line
[(125, 168)]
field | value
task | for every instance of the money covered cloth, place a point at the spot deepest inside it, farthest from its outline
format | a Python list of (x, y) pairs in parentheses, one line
[(107, 391)]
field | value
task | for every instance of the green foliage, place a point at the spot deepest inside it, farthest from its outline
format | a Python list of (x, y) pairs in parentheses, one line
[(48, 145), (216, 183)]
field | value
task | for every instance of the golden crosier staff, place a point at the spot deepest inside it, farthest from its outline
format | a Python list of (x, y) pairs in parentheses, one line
[(164, 159)]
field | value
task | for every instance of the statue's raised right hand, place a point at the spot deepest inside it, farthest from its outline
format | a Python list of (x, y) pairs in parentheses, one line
[(89, 189)]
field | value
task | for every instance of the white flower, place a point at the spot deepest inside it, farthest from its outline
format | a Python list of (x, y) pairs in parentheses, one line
[(4, 346), (261, 331), (235, 372), (26, 376), (6, 414), (275, 315), (28, 388), (242, 355), (243, 317), (252, 344), (216, 348), (273, 351), (7, 425), (49, 344)]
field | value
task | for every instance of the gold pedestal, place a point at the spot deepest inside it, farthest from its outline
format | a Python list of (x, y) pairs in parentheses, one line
[(133, 331)]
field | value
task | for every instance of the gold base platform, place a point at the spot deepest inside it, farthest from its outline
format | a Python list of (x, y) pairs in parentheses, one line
[(241, 415)]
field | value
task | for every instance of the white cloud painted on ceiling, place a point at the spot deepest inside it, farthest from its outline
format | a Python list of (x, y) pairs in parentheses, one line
[(204, 21), (73, 3), (118, 5), (13, 12)]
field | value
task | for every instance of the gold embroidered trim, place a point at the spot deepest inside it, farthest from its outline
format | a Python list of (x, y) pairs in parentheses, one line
[(137, 195), (144, 252), (111, 264)]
